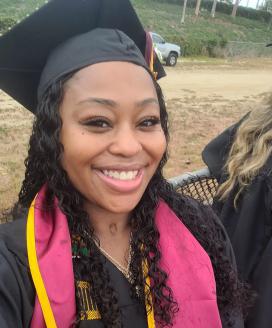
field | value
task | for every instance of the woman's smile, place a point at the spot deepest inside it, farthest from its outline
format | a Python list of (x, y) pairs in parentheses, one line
[(122, 180)]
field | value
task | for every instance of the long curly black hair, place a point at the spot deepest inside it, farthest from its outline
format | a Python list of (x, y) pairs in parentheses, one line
[(43, 166)]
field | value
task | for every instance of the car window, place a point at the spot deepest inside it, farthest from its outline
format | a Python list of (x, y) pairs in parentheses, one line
[(157, 39)]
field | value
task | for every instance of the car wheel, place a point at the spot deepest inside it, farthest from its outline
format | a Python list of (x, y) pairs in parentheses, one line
[(171, 59)]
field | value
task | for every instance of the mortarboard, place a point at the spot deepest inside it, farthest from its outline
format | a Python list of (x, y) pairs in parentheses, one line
[(25, 49)]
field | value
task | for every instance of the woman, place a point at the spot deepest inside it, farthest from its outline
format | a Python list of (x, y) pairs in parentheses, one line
[(108, 242), (240, 159)]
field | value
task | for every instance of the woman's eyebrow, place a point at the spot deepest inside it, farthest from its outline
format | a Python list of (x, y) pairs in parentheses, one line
[(100, 101), (112, 103)]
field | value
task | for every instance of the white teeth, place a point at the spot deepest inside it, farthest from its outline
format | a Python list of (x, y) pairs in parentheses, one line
[(121, 175)]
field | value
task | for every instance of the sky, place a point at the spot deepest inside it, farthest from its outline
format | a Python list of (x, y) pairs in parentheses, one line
[(251, 3)]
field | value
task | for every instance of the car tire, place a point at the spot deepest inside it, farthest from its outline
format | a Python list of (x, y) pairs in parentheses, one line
[(172, 59)]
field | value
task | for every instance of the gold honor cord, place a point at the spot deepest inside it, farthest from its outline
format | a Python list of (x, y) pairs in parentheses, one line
[(150, 314), (151, 63), (35, 271)]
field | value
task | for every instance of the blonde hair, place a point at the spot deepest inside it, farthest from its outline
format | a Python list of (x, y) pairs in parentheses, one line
[(250, 150)]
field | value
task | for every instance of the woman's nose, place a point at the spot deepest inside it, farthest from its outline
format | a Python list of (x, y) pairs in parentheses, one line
[(125, 142)]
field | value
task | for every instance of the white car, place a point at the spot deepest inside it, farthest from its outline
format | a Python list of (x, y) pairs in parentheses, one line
[(168, 51)]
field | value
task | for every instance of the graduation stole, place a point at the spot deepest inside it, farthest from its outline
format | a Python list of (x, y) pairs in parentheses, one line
[(190, 273)]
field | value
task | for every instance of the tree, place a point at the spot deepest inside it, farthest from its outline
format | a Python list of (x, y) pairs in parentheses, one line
[(198, 2), (183, 12), (213, 8), (269, 9), (268, 5), (235, 7)]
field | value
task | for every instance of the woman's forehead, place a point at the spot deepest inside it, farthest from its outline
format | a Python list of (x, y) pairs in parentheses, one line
[(117, 77), (107, 68), (112, 86)]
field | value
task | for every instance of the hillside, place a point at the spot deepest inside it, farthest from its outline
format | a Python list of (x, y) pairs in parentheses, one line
[(202, 32), (197, 36)]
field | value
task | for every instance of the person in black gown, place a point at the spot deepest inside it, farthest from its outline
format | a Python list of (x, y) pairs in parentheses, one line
[(240, 159), (100, 238)]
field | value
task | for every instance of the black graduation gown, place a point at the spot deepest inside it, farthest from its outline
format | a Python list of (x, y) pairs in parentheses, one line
[(17, 292), (249, 227)]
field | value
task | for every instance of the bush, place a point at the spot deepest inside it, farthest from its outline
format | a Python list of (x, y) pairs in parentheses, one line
[(213, 47), (193, 48), (6, 23), (226, 8)]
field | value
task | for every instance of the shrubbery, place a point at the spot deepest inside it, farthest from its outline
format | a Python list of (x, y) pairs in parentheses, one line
[(6, 23), (213, 47), (225, 8), (216, 45)]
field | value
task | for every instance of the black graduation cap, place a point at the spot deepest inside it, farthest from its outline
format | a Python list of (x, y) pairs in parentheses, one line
[(25, 49)]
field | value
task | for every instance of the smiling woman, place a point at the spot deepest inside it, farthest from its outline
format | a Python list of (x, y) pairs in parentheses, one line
[(101, 239), (125, 127)]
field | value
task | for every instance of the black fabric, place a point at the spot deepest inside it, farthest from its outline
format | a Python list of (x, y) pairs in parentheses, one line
[(17, 291), (133, 313), (97, 46), (25, 48), (216, 152), (249, 226), (207, 213)]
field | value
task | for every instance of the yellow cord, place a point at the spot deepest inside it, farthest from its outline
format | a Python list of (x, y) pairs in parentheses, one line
[(35, 271), (150, 314), (151, 63)]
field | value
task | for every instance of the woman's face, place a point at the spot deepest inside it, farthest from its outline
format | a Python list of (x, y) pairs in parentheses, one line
[(112, 137)]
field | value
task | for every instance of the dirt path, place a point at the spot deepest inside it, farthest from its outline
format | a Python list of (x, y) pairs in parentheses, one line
[(231, 85), (202, 99)]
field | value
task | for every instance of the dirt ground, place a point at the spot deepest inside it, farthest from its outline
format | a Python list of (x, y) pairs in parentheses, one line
[(203, 98)]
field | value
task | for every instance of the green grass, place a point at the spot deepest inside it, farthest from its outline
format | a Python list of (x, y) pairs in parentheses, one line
[(165, 19), (197, 32), (3, 132), (18, 9)]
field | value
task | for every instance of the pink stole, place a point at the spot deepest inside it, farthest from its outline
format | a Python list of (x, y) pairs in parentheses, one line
[(54, 253), (190, 273)]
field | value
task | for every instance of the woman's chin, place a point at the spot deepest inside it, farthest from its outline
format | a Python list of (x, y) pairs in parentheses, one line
[(121, 205), (121, 208)]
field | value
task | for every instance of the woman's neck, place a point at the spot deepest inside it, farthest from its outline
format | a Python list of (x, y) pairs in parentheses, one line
[(113, 232), (108, 225)]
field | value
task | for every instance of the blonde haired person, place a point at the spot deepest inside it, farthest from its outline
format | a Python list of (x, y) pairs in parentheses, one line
[(240, 158)]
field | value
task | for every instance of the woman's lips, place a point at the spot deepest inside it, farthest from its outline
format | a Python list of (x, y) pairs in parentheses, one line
[(121, 180)]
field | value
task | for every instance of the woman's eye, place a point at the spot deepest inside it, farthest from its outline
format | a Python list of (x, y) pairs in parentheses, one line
[(97, 122), (149, 122)]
